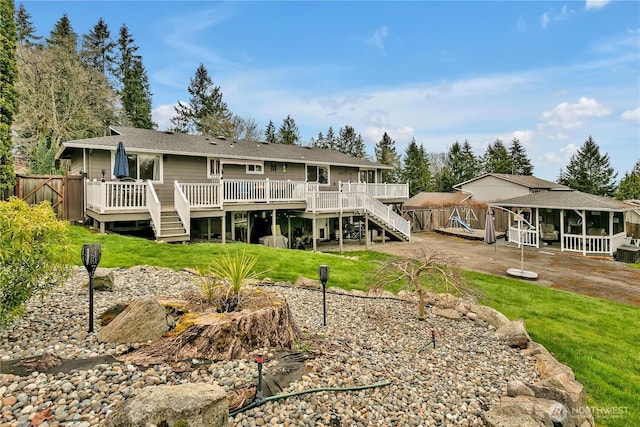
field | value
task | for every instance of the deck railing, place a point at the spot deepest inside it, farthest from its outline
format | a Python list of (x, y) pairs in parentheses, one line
[(115, 195), (524, 236), (182, 206), (593, 244), (155, 209), (202, 195), (378, 191), (265, 191)]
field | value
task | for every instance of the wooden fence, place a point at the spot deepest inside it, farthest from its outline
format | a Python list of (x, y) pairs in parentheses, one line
[(436, 218), (65, 193)]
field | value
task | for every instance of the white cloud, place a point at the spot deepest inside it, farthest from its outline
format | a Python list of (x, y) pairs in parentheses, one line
[(631, 115), (572, 116), (596, 4), (162, 115), (561, 156), (544, 19), (378, 37), (524, 136)]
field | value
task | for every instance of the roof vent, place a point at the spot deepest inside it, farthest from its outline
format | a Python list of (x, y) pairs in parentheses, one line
[(213, 143), (168, 132), (222, 137), (265, 142)]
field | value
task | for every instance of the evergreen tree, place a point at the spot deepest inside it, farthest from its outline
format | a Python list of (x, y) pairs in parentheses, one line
[(8, 93), (589, 171), (320, 142), (270, 133), (415, 169), (386, 154), (629, 188), (350, 143), (135, 93), (26, 32), (521, 162), (288, 132), (470, 164), (496, 158), (63, 35), (245, 128), (331, 141), (206, 113), (98, 48)]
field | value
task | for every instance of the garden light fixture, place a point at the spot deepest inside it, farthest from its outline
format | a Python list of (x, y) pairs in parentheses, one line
[(323, 275), (91, 254)]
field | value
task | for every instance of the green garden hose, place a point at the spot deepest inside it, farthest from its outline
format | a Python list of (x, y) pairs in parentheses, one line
[(260, 402)]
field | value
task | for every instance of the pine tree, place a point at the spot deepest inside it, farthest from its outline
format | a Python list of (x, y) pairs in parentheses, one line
[(206, 113), (270, 133), (135, 92), (288, 132), (330, 138), (415, 169), (629, 188), (470, 163), (8, 93), (320, 142), (521, 162), (350, 143), (26, 32), (63, 35), (589, 171), (98, 48), (386, 154), (496, 158)]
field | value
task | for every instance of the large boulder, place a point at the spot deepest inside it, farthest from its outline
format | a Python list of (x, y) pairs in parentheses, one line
[(514, 334), (489, 315), (565, 389), (526, 411), (448, 313), (546, 364), (142, 321), (194, 404), (103, 280)]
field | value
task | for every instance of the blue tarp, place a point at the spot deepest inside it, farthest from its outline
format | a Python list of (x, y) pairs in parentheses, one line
[(121, 164)]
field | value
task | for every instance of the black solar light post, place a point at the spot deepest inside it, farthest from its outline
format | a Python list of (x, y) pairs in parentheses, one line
[(91, 254), (323, 275)]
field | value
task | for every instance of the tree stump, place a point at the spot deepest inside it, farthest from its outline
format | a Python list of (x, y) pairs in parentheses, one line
[(265, 321)]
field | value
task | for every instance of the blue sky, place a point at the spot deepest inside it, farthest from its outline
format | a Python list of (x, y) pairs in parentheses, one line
[(549, 73)]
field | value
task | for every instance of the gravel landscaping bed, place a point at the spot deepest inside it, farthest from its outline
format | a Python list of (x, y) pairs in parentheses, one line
[(367, 341)]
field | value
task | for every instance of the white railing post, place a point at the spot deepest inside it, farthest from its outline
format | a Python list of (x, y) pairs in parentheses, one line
[(182, 207), (102, 196), (267, 190)]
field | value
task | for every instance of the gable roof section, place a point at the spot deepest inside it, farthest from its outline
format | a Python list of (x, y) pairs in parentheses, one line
[(565, 200), (159, 142), (528, 181)]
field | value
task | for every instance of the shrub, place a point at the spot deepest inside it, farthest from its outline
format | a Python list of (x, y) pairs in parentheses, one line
[(223, 281), (34, 254)]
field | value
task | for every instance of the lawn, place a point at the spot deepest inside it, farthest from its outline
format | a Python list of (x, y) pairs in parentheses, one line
[(598, 339)]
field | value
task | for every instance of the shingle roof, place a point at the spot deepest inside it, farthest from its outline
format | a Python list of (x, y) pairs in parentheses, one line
[(428, 199), (524, 180), (565, 200), (152, 141)]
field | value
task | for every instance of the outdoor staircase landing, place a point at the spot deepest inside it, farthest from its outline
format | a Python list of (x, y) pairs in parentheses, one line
[(171, 228)]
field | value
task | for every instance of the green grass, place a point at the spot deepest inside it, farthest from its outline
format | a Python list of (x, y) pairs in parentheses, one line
[(598, 339), (279, 264)]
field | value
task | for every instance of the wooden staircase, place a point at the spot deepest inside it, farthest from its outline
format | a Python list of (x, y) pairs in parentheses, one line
[(171, 228)]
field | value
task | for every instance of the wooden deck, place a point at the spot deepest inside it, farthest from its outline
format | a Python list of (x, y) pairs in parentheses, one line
[(477, 234)]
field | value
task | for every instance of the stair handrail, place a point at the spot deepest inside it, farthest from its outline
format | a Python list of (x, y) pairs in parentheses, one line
[(385, 214), (182, 206), (155, 209)]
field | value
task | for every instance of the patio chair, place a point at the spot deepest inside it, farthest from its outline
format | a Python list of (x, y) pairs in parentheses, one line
[(548, 233)]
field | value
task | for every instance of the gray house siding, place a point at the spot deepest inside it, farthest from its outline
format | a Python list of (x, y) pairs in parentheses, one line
[(490, 189)]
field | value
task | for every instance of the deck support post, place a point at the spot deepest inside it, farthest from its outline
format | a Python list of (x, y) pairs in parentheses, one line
[(224, 228), (340, 230), (366, 230), (315, 232), (273, 226)]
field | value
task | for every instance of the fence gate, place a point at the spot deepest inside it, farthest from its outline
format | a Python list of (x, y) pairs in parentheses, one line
[(65, 193)]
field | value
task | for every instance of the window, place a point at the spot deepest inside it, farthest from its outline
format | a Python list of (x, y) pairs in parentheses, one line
[(255, 169), (213, 168), (368, 176), (143, 166), (319, 174)]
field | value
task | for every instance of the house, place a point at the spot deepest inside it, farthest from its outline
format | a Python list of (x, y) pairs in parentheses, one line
[(498, 186), (578, 222), (183, 186)]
